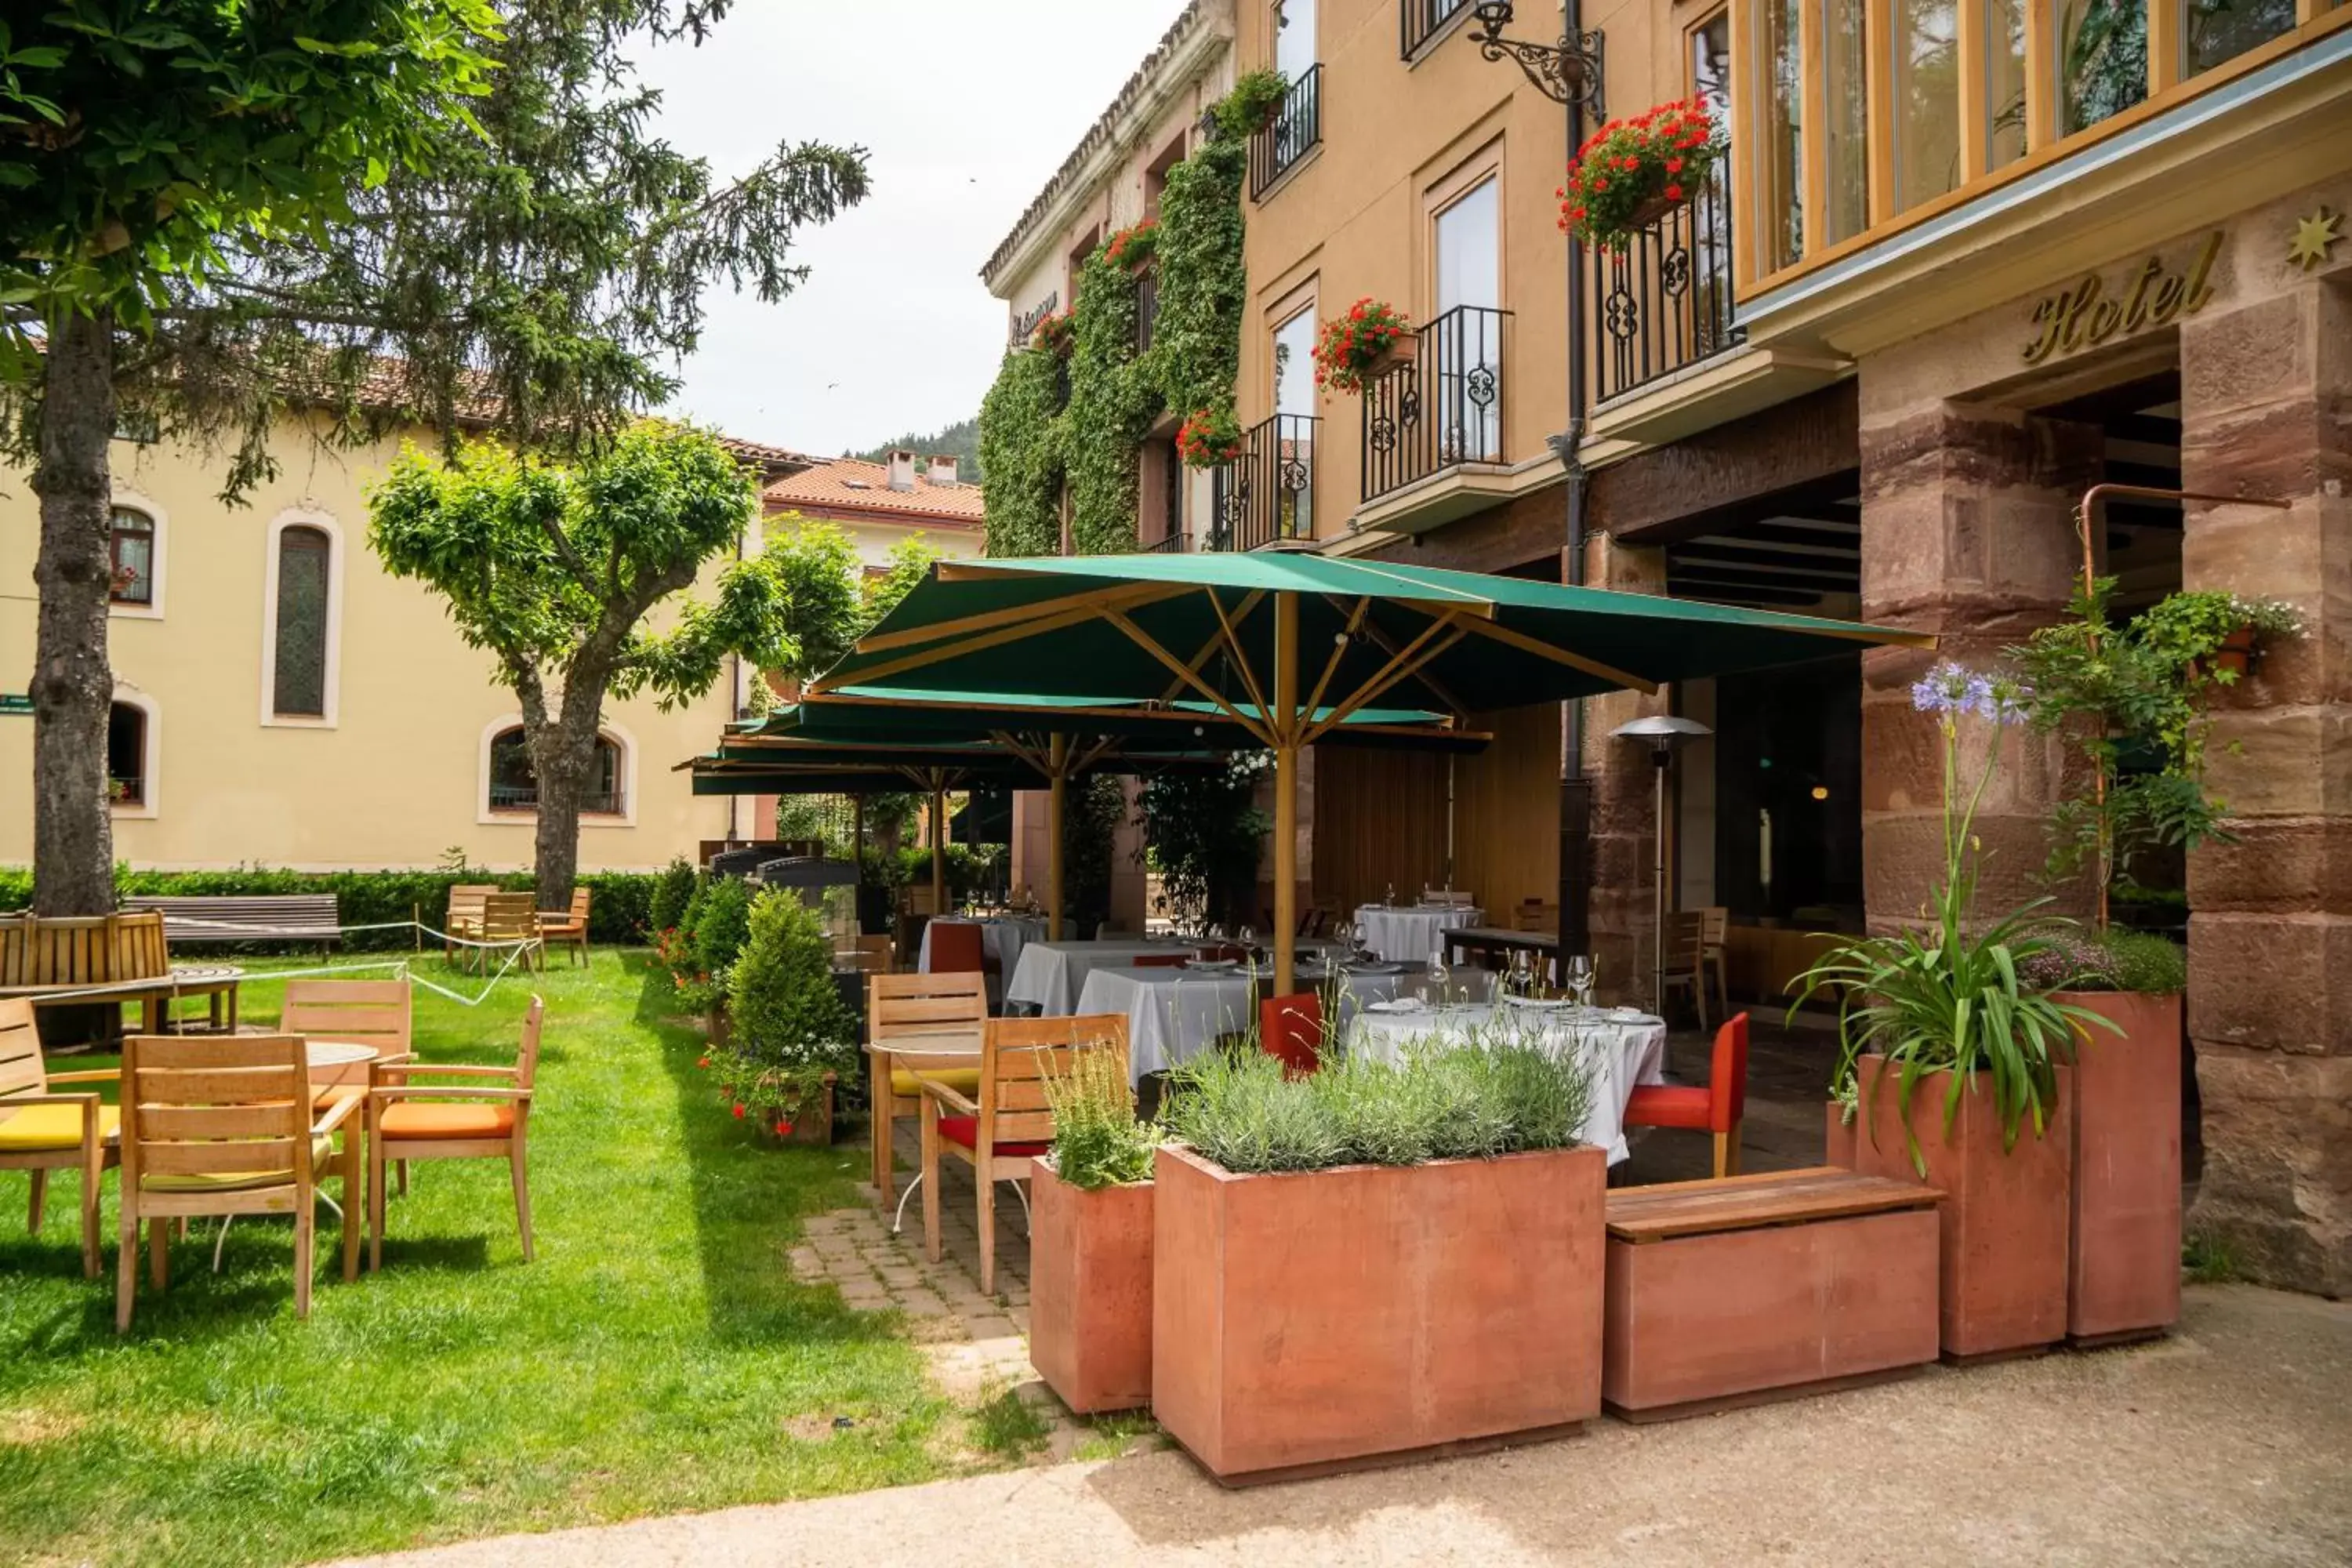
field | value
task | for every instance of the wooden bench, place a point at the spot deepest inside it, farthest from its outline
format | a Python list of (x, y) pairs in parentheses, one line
[(59, 962), (1765, 1286), (267, 917)]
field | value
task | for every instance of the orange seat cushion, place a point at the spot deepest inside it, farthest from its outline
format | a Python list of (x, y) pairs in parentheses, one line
[(964, 1132), (1662, 1105), (440, 1118)]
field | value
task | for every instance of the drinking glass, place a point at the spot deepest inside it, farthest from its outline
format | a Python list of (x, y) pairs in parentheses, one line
[(1523, 980), (1579, 978), (1358, 936), (1387, 899), (1246, 936), (1438, 972)]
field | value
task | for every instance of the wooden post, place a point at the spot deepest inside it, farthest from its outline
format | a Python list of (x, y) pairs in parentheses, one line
[(939, 846), (1287, 726), (1057, 804), (857, 862)]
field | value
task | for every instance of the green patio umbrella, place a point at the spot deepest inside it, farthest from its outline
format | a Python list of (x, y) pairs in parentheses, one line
[(1290, 645), (1063, 737)]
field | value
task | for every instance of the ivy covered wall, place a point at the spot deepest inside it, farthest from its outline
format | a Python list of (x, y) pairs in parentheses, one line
[(1039, 430)]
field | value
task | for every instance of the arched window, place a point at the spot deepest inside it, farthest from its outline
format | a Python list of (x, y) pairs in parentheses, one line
[(298, 670), (514, 785), (131, 758), (131, 558)]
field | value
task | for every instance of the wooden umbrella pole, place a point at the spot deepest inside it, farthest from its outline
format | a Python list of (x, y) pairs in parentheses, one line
[(1288, 725), (939, 846), (1057, 804)]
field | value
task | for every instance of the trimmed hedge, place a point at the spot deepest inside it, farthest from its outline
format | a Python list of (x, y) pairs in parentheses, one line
[(617, 912)]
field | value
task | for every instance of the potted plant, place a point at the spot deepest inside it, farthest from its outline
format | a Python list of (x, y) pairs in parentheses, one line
[(1056, 335), (1090, 1242), (1208, 438), (793, 1036), (1254, 104), (1374, 1260), (1632, 172), (1838, 1119), (1131, 250), (1959, 1062), (1373, 339)]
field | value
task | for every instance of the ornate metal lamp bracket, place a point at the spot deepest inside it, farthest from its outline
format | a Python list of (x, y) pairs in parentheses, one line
[(1569, 71)]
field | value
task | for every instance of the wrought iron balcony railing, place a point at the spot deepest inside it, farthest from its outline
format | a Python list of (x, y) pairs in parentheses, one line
[(1268, 492), (1297, 128), (1664, 302), (1147, 307), (1442, 409), (1174, 544), (1418, 21)]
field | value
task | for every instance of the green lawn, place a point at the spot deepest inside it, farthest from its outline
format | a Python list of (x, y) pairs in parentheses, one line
[(657, 1357)]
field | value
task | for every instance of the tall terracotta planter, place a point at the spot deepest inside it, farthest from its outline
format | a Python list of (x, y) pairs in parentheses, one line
[(1837, 1138), (2005, 1217), (2124, 1273), (1090, 1292), (1309, 1321)]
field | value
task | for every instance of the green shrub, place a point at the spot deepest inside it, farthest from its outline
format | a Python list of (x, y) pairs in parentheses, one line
[(2075, 959), (789, 1025), (1097, 1139), (679, 949), (2147, 963), (671, 890), (1498, 1093), (723, 925)]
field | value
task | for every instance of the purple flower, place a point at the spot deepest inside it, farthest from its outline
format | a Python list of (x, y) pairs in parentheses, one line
[(1950, 687)]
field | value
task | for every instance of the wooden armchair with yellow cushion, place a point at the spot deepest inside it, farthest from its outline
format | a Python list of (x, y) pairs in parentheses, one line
[(1008, 1124), (42, 1131), (930, 1025), (224, 1125), (486, 1115)]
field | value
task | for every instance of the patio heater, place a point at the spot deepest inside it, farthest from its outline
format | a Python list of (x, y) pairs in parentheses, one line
[(1665, 733)]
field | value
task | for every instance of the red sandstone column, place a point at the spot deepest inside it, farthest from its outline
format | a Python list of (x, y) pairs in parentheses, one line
[(1623, 808), (1968, 532), (2265, 391)]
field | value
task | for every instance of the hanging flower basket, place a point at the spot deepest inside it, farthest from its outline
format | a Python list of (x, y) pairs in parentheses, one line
[(1131, 250), (1373, 339), (1209, 439), (1632, 172), (1056, 335)]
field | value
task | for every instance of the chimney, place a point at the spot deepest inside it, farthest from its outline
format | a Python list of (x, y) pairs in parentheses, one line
[(943, 469), (902, 470)]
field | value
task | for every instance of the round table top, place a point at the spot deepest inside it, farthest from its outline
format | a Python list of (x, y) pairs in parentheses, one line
[(202, 972), (339, 1053)]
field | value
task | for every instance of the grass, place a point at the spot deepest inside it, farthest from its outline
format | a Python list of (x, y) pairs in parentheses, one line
[(657, 1357), (1008, 1426)]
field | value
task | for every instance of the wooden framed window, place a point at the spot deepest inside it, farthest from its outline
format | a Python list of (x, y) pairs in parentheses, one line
[(513, 782), (131, 557), (301, 622), (134, 741)]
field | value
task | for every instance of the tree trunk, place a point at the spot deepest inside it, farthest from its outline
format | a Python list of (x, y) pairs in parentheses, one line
[(562, 755), (72, 687)]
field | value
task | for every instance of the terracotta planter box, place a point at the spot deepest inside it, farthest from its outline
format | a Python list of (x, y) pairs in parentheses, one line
[(1090, 1292), (2006, 1216), (813, 1127), (2124, 1273), (1765, 1286), (1318, 1320), (1401, 354), (1837, 1144)]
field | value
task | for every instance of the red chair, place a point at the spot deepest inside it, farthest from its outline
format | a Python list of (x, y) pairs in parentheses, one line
[(957, 949), (1717, 1109), (1222, 952), (1157, 960), (1291, 1028)]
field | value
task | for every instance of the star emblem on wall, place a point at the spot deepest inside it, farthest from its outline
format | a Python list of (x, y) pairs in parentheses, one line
[(2313, 237)]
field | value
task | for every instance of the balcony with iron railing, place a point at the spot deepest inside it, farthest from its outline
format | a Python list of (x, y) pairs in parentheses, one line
[(1440, 409), (1663, 302), (1147, 307), (1296, 129), (1418, 21), (1267, 494)]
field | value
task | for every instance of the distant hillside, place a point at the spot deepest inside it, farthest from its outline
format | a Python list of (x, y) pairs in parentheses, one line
[(961, 439)]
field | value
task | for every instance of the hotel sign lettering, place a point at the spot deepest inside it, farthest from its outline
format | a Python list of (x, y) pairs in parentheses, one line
[(2083, 313)]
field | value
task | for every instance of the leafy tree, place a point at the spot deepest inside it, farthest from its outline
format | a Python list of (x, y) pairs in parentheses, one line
[(817, 569), (910, 562), (140, 147), (553, 570)]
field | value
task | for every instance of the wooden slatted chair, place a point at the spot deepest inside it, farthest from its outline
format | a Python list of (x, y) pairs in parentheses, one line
[(1008, 1124), (508, 920), (868, 954), (1535, 914), (464, 918), (486, 1115), (568, 931), (42, 1130), (1715, 951), (222, 1125), (364, 1012), (927, 1023), (1682, 960)]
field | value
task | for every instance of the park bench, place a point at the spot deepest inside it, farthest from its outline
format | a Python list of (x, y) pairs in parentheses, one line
[(96, 958), (1746, 1289), (267, 917)]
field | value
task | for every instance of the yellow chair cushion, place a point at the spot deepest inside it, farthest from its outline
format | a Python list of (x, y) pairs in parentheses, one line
[(439, 1119), (964, 1080), (32, 1128), (322, 1154)]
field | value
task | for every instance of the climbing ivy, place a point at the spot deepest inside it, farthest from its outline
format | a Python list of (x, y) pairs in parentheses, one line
[(1113, 401), (1037, 432), (1021, 457)]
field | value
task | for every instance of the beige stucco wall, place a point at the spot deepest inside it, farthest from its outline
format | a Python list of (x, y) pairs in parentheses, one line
[(396, 777), (875, 539)]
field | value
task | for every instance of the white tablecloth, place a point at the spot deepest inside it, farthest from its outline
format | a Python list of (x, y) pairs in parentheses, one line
[(1621, 1053), (1410, 935), (1050, 974), (1175, 1014), (1002, 937)]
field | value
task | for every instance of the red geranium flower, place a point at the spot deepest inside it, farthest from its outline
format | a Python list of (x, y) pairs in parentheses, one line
[(739, 1111)]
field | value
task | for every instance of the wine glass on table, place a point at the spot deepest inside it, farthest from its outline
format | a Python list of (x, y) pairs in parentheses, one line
[(1439, 975), (1578, 967), (1359, 937)]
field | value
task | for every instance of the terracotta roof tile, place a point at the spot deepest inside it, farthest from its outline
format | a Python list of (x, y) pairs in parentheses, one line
[(848, 485)]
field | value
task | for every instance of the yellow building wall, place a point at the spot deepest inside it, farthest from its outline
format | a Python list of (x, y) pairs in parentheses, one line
[(397, 778)]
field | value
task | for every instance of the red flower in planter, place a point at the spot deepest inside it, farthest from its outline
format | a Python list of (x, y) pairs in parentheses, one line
[(784, 1129), (704, 1063), (1347, 346), (1625, 169), (739, 1111)]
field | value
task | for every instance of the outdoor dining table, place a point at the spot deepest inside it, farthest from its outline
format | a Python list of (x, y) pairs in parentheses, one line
[(1050, 974), (1175, 1014), (1622, 1047), (1410, 933), (1002, 937)]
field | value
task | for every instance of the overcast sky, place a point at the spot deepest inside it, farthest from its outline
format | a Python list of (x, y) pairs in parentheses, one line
[(967, 108)]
